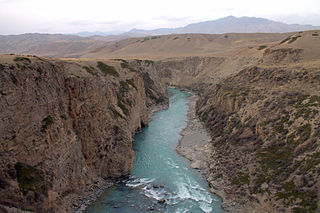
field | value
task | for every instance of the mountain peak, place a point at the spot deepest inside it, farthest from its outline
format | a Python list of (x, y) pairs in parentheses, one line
[(232, 24)]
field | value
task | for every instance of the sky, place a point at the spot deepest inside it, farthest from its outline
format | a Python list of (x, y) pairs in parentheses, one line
[(71, 16)]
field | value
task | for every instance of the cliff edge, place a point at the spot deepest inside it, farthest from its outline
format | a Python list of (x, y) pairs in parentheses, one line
[(67, 126)]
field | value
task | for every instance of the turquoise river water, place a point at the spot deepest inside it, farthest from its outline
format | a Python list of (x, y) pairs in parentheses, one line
[(159, 172)]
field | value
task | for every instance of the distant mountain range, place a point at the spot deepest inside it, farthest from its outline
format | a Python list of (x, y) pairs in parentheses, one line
[(228, 24), (58, 45)]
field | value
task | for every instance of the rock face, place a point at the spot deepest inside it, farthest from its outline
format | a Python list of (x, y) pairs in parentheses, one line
[(190, 72), (261, 106), (264, 124), (66, 125)]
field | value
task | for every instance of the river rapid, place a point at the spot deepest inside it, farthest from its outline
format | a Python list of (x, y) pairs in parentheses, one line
[(160, 180)]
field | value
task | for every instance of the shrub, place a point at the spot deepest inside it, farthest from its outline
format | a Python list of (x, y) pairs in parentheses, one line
[(46, 122), (106, 69), (155, 37), (23, 59), (124, 87), (242, 178), (130, 81), (305, 131), (124, 65), (294, 39), (262, 47), (148, 62), (285, 40), (28, 178), (90, 70), (145, 39)]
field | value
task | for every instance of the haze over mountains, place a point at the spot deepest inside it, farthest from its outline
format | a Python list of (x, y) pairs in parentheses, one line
[(60, 45), (229, 24), (232, 24)]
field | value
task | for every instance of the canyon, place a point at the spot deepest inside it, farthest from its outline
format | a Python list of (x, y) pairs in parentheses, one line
[(67, 124)]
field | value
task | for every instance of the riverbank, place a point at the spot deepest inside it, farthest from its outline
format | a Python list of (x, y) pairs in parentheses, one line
[(195, 140), (195, 146), (79, 203)]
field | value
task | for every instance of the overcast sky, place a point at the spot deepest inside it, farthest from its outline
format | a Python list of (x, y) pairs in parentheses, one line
[(70, 16)]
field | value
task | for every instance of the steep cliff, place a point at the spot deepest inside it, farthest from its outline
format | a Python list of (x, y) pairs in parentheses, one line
[(67, 126), (265, 147), (191, 72), (261, 105)]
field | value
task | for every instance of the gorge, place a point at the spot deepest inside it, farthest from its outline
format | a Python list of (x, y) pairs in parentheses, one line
[(67, 124)]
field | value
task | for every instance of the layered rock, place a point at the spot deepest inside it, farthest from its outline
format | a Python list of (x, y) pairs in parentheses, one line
[(264, 124), (64, 126), (191, 72), (261, 106)]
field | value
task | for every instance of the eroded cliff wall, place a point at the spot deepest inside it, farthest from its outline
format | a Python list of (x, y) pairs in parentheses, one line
[(264, 124), (66, 125), (261, 106)]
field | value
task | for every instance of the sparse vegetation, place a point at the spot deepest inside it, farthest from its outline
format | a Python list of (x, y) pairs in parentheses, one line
[(125, 65), (22, 59), (122, 60), (262, 47), (293, 39), (124, 87), (175, 38), (304, 132), (22, 67), (147, 79), (90, 70), (29, 178), (45, 123), (315, 34), (148, 62), (285, 40), (145, 39), (290, 193), (130, 81), (106, 69), (242, 178)]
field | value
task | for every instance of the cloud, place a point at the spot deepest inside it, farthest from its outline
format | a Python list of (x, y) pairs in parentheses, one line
[(80, 22), (21, 16)]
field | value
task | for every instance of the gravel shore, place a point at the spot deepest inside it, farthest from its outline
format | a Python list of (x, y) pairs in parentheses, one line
[(195, 139)]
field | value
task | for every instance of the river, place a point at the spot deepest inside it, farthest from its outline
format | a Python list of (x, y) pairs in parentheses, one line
[(159, 172)]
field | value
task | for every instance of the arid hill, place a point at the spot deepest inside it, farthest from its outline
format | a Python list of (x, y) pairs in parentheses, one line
[(150, 47), (231, 24)]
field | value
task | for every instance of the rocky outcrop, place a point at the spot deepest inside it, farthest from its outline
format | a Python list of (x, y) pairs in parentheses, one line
[(190, 72), (67, 126), (154, 85), (264, 124), (282, 55)]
